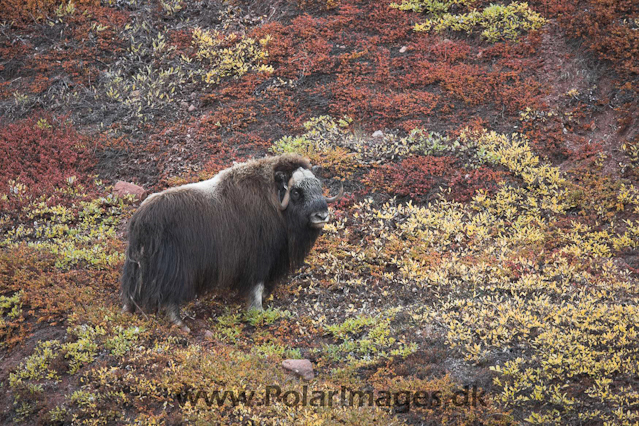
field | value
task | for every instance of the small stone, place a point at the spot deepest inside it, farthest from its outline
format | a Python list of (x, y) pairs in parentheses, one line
[(125, 188), (209, 334), (192, 108), (184, 105), (378, 134), (135, 94), (302, 367), (403, 49)]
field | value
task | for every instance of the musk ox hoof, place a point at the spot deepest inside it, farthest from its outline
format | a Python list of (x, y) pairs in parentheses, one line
[(173, 312), (184, 328), (180, 324), (128, 308)]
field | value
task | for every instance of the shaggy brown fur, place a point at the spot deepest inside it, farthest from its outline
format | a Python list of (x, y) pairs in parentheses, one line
[(226, 233)]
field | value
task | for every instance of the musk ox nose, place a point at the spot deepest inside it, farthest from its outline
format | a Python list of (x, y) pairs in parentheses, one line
[(319, 219)]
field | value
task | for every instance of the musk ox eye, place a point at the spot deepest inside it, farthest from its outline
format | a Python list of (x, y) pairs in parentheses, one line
[(296, 194)]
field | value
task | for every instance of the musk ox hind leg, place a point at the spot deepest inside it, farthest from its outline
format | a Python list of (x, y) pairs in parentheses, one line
[(173, 313), (130, 282), (254, 299), (128, 307)]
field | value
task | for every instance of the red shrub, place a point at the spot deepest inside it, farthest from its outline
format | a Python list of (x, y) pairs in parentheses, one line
[(606, 27), (363, 59), (415, 176), (466, 183), (42, 154), (27, 10), (422, 176)]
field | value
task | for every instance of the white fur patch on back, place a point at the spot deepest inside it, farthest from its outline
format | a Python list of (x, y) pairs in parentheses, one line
[(206, 186)]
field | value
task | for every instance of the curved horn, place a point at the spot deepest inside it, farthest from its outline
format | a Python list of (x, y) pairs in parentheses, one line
[(287, 195), (338, 196)]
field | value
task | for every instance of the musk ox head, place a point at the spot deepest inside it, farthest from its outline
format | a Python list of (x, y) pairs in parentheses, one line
[(302, 199)]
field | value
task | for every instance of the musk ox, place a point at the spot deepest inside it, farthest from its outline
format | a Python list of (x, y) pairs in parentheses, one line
[(242, 230)]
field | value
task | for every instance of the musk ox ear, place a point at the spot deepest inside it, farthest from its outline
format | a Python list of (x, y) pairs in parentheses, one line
[(281, 178)]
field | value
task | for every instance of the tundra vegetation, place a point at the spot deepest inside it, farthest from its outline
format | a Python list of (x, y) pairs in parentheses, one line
[(489, 236)]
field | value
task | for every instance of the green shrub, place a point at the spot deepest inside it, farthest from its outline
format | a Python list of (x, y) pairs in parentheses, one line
[(498, 22)]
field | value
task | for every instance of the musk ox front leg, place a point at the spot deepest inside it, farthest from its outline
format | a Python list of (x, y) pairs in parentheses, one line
[(254, 299)]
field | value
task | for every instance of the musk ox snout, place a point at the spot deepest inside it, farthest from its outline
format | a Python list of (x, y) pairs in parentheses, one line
[(321, 216), (319, 219)]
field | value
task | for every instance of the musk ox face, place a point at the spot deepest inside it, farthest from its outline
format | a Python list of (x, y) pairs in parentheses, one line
[(306, 203)]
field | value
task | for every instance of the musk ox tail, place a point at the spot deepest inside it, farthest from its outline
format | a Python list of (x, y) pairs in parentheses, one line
[(130, 282), (132, 273)]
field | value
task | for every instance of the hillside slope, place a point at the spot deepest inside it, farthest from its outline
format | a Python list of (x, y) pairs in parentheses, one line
[(481, 269)]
